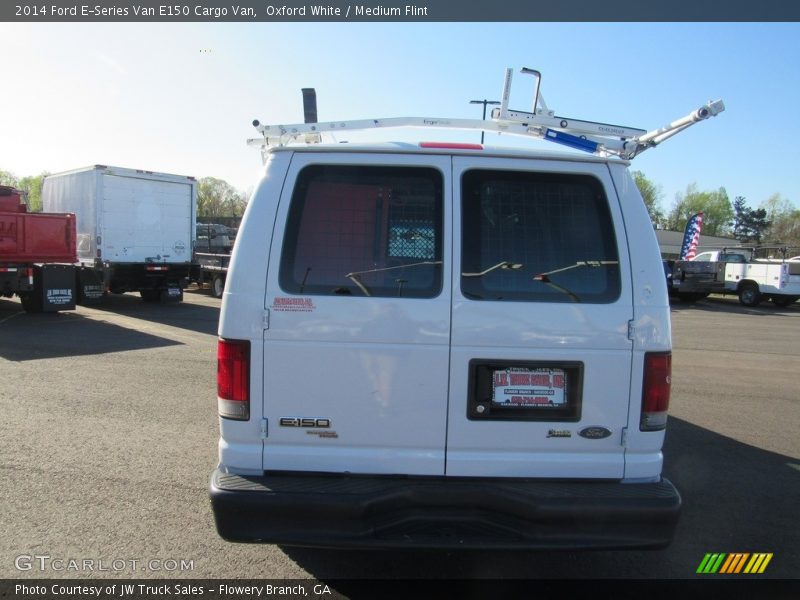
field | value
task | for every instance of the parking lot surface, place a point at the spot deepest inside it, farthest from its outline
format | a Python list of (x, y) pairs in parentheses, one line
[(110, 432)]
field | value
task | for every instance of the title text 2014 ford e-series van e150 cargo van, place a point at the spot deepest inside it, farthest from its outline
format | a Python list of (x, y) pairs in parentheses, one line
[(444, 345)]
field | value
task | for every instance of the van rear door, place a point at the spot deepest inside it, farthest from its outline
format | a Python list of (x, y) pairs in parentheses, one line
[(356, 350), (540, 358)]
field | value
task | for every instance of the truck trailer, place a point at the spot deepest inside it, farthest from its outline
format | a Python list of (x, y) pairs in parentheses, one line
[(37, 255), (135, 229)]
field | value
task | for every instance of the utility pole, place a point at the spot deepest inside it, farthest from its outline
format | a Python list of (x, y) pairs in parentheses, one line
[(484, 102)]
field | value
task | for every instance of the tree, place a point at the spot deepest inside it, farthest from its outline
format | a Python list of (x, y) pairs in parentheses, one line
[(651, 193), (217, 198), (749, 225), (7, 178), (32, 186), (784, 220), (715, 206)]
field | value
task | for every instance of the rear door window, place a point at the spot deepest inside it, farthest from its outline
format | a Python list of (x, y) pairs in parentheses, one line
[(541, 237), (364, 231)]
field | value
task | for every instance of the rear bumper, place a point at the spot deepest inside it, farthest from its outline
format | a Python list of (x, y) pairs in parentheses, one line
[(393, 512)]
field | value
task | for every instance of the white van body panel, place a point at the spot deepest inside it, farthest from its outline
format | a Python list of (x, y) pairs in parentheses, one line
[(384, 352), (594, 335), (242, 314), (650, 329), (375, 367)]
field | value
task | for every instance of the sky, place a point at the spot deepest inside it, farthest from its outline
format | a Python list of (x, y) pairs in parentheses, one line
[(180, 97)]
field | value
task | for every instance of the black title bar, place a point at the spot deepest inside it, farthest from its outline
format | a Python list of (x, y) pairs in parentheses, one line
[(413, 11)]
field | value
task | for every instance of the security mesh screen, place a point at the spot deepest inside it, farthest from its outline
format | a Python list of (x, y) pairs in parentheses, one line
[(537, 236), (364, 231), (411, 238)]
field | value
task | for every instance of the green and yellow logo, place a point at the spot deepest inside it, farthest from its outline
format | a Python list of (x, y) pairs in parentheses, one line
[(735, 563)]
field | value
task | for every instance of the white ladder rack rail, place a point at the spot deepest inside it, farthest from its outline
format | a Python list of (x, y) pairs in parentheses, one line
[(602, 139)]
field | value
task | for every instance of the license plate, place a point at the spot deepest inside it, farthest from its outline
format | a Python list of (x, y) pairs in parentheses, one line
[(541, 388)]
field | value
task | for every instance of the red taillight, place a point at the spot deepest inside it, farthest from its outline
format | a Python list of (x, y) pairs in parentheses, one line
[(655, 393), (233, 379)]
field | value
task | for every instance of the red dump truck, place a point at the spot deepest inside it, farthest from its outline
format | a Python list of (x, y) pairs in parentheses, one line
[(38, 254)]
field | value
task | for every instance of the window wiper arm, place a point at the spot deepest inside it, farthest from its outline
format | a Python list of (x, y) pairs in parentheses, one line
[(580, 263), (355, 276), (545, 277), (501, 265)]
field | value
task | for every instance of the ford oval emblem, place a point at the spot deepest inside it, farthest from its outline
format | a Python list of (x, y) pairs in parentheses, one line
[(594, 433)]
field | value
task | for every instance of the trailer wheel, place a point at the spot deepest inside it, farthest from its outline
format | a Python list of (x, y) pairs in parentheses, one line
[(218, 286), (29, 304), (749, 295)]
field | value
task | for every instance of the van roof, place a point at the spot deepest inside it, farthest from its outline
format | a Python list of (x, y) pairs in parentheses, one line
[(447, 148)]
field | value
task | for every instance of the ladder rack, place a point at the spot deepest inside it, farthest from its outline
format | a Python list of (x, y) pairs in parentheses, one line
[(598, 138)]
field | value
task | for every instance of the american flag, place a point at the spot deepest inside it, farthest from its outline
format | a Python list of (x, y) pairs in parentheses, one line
[(691, 237)]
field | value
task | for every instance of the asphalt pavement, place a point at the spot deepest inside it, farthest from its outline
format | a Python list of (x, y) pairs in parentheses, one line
[(110, 432)]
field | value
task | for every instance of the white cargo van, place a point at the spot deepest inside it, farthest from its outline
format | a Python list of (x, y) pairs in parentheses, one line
[(444, 345)]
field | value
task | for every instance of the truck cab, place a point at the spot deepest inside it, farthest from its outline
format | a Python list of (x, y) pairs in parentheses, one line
[(214, 237), (721, 256)]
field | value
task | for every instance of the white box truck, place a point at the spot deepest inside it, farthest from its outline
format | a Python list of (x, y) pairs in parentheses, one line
[(135, 229)]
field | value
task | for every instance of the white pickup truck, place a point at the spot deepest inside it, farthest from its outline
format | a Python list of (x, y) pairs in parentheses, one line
[(736, 272)]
